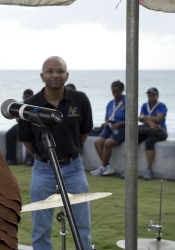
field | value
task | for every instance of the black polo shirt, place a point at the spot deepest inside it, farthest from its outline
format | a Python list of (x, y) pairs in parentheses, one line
[(77, 119)]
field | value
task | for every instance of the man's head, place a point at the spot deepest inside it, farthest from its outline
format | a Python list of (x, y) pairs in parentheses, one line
[(70, 86), (54, 73), (27, 93), (153, 91), (117, 88), (153, 95)]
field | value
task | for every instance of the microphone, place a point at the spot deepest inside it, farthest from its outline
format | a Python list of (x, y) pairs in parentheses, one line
[(11, 109)]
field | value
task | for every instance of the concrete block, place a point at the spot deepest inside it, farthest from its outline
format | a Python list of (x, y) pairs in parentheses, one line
[(90, 157), (163, 165)]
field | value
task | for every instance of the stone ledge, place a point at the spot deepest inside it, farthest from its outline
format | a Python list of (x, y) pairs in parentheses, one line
[(163, 165)]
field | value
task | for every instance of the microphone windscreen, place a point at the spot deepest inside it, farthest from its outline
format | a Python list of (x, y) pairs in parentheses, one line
[(5, 108)]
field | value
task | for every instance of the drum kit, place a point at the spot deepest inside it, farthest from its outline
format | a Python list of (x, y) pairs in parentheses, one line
[(153, 244), (55, 200), (64, 200)]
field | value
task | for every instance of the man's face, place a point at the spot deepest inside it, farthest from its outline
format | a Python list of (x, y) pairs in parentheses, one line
[(54, 73), (117, 92), (152, 97)]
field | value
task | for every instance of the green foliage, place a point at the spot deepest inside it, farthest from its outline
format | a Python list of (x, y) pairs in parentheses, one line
[(108, 214)]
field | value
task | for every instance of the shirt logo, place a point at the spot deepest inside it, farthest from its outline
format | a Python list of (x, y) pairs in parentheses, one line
[(72, 111)]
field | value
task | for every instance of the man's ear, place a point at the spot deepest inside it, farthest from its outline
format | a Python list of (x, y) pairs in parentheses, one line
[(67, 76), (42, 76)]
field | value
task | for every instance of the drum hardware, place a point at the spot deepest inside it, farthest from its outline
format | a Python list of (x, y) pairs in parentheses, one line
[(158, 227), (93, 247), (61, 219), (55, 201), (150, 244), (153, 244)]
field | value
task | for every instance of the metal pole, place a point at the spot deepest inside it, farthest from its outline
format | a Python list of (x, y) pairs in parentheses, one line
[(131, 127)]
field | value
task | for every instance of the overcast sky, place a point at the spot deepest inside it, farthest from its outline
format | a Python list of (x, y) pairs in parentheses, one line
[(89, 34)]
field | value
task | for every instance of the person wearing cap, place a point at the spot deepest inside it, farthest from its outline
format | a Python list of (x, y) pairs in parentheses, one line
[(153, 113)]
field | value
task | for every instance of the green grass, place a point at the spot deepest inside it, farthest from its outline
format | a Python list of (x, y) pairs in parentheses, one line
[(108, 214)]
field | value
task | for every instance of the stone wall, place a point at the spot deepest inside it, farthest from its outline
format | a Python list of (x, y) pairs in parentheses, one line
[(163, 165)]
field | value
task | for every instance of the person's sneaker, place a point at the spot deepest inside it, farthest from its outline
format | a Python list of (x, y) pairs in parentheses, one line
[(99, 171), (109, 171), (148, 174), (123, 175)]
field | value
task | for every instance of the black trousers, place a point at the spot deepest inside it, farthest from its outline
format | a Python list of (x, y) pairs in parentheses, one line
[(152, 138)]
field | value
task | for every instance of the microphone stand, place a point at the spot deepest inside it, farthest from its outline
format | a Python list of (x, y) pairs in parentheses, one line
[(49, 145)]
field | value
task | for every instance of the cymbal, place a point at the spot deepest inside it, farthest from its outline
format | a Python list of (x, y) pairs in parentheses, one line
[(56, 201), (151, 244)]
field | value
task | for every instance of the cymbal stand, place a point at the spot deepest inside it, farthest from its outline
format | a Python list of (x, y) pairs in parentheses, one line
[(49, 145), (61, 218), (158, 227)]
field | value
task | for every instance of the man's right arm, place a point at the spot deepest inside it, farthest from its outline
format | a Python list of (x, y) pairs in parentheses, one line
[(28, 145)]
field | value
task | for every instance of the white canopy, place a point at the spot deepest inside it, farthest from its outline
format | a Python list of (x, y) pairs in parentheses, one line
[(36, 2), (159, 5)]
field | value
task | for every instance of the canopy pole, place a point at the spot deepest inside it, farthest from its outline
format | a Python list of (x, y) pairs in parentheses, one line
[(131, 127)]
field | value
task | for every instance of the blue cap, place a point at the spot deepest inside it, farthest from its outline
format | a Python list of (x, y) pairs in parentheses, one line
[(153, 91)]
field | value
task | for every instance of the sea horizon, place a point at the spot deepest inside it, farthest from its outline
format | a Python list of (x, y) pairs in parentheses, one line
[(96, 84)]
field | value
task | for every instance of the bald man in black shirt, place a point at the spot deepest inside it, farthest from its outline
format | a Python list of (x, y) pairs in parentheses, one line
[(69, 137)]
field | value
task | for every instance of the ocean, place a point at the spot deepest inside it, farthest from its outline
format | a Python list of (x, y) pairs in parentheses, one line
[(97, 86)]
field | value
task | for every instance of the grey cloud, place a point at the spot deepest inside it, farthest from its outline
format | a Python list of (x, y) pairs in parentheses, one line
[(82, 11), (103, 12)]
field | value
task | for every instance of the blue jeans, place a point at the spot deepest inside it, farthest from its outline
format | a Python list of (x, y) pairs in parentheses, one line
[(43, 185)]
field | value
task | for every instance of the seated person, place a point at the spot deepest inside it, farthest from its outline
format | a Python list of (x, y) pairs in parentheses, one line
[(11, 139), (153, 114), (70, 86), (114, 132)]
